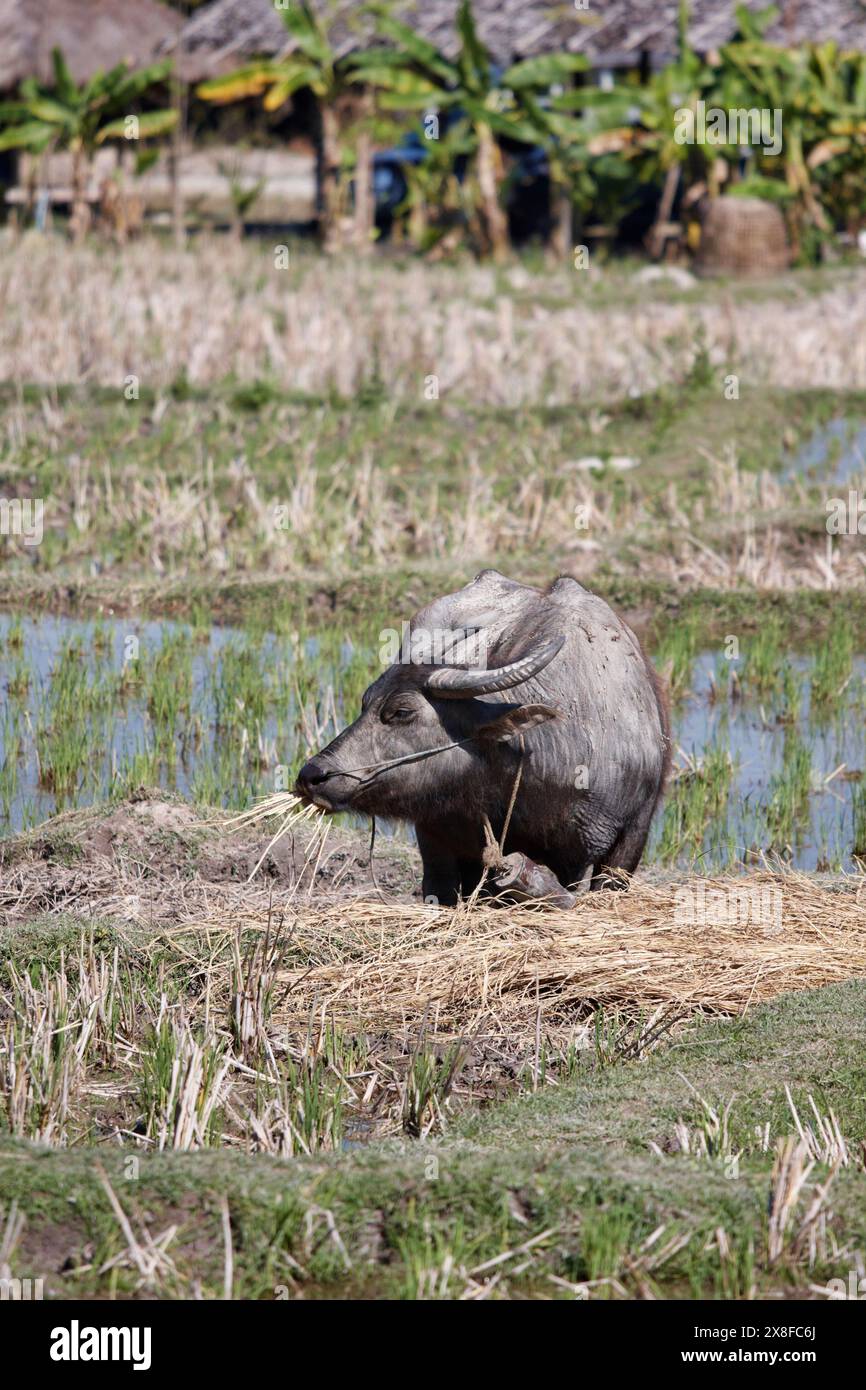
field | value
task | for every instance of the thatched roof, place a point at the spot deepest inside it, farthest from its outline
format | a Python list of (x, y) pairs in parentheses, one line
[(93, 34), (610, 32)]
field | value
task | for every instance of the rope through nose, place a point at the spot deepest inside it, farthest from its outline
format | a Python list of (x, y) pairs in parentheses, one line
[(376, 768)]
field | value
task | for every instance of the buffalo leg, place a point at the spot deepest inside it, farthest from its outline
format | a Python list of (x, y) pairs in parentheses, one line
[(470, 875), (625, 854), (573, 874), (441, 877)]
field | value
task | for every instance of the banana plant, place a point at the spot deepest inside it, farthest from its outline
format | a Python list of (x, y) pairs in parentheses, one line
[(651, 139), (769, 78), (821, 94), (487, 107), (314, 64), (81, 118), (583, 133), (434, 183), (243, 195), (837, 158)]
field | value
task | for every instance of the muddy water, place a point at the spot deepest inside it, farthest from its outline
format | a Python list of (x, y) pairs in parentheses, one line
[(223, 716), (755, 738), (835, 453), (213, 714)]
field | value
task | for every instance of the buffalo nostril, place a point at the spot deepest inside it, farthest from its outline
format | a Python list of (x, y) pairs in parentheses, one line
[(312, 774)]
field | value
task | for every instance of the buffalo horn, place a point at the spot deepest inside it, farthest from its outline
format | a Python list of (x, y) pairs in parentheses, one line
[(457, 681)]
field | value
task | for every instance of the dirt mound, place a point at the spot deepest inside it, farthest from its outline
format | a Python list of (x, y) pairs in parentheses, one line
[(159, 848), (162, 832), (343, 870)]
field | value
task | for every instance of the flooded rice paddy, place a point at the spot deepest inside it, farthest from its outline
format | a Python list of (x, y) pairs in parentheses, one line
[(834, 453), (770, 745)]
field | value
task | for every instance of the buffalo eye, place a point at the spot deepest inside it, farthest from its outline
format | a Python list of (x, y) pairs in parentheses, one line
[(397, 714)]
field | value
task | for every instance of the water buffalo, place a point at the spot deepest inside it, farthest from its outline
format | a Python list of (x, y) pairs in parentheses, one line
[(550, 682)]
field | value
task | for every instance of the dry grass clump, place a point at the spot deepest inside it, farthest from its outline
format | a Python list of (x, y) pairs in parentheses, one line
[(291, 811), (171, 1010), (792, 1232), (76, 314), (610, 950), (387, 964)]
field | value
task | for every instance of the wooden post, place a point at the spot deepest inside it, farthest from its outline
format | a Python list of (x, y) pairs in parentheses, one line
[(655, 240), (365, 205), (562, 235), (79, 221), (180, 102), (329, 179)]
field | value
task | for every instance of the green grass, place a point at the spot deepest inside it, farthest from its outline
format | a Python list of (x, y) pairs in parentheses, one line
[(789, 792), (813, 1040), (675, 654), (764, 664), (833, 662), (697, 801), (567, 1174)]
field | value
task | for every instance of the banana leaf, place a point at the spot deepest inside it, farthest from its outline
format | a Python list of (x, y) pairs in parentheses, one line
[(544, 71), (30, 135), (150, 124)]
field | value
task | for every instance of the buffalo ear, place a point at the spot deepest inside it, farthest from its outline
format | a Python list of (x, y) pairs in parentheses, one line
[(516, 721)]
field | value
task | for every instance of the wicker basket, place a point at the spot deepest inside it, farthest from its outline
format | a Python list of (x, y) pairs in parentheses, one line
[(742, 236)]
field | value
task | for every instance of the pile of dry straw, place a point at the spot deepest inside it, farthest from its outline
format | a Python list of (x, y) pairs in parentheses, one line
[(386, 966)]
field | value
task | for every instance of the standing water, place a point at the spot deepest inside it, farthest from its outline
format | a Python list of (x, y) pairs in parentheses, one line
[(770, 748)]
